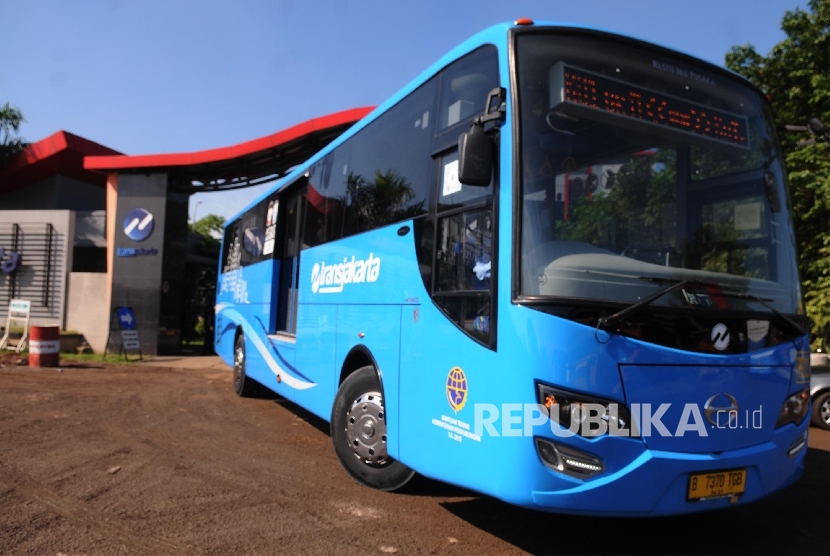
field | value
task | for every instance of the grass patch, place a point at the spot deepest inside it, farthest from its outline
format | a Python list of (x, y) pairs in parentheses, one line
[(97, 357)]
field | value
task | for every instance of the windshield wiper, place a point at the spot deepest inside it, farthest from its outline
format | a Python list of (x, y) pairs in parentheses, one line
[(790, 323), (612, 321)]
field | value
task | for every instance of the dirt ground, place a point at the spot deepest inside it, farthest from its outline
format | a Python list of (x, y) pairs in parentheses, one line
[(109, 459)]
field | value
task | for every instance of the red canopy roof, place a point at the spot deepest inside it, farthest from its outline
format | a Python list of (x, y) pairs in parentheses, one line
[(244, 164), (60, 153)]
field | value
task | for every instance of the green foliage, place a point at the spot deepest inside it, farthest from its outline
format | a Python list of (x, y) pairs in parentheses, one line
[(200, 327), (796, 77), (208, 230), (10, 144), (209, 226)]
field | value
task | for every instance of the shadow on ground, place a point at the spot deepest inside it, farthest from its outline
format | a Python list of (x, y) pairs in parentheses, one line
[(792, 521), (789, 522)]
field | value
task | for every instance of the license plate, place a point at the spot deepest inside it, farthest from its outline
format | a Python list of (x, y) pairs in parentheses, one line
[(716, 485)]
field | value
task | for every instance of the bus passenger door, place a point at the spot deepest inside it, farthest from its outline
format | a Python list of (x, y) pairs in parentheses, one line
[(289, 267)]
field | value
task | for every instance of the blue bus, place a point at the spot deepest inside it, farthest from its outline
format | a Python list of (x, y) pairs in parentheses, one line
[(557, 268)]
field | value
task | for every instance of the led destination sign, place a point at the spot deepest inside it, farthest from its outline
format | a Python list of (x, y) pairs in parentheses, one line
[(574, 86)]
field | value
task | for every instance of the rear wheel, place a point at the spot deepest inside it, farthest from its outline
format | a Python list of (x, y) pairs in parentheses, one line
[(358, 430), (821, 411), (242, 385)]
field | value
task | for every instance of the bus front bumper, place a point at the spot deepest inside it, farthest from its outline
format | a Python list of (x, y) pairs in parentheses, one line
[(656, 482)]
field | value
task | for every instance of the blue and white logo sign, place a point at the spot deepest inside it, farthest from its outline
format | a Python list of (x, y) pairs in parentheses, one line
[(126, 318), (138, 225)]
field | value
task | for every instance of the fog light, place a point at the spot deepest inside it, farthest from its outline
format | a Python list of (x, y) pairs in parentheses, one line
[(798, 445), (567, 460)]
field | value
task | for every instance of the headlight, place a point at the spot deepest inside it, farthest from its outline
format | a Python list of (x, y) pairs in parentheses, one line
[(585, 415), (795, 408)]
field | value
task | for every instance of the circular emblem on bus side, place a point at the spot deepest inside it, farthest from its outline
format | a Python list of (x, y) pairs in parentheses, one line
[(720, 337), (457, 389), (139, 224)]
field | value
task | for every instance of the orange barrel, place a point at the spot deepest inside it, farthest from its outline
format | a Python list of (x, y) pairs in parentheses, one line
[(44, 346)]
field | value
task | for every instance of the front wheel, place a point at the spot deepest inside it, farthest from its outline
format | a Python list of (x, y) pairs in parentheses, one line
[(358, 430), (821, 411)]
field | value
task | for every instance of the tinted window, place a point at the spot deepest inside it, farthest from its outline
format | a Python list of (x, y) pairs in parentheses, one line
[(389, 176), (465, 84), (326, 198), (465, 243), (249, 238), (470, 312), (464, 268)]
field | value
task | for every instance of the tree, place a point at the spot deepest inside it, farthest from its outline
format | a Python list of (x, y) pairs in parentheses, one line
[(10, 144), (209, 231), (209, 228), (796, 77)]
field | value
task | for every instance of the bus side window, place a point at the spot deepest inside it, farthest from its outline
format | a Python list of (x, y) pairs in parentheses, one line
[(464, 269), (464, 87), (465, 243), (326, 199), (389, 177)]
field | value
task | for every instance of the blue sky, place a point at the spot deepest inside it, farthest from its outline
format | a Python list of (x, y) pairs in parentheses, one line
[(161, 76)]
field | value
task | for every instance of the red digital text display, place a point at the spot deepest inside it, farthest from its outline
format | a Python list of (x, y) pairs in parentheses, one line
[(587, 89)]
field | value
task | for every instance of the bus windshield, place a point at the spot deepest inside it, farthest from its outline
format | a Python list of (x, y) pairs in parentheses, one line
[(639, 168)]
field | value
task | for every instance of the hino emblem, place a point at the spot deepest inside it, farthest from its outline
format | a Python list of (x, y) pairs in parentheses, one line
[(712, 412)]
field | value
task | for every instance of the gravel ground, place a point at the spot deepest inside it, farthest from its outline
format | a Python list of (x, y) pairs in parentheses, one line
[(110, 459)]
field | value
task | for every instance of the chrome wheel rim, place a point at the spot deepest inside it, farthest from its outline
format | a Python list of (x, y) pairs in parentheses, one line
[(824, 411), (238, 364), (366, 429)]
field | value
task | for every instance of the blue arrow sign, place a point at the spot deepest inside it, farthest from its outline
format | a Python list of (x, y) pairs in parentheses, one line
[(126, 318)]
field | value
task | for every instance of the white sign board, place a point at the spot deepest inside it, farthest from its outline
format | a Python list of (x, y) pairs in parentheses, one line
[(129, 339), (19, 311)]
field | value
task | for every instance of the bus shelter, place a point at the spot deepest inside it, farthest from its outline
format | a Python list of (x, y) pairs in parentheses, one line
[(154, 262)]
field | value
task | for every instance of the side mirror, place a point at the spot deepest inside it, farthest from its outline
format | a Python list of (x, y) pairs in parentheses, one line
[(475, 157), (816, 127)]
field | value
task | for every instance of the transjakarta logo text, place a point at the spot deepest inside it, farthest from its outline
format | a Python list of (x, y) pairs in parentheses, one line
[(331, 278)]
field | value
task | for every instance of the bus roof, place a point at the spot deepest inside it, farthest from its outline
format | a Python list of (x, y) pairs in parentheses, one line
[(498, 35)]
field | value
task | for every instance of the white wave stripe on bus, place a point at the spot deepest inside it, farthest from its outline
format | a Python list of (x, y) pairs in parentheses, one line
[(291, 381), (285, 377)]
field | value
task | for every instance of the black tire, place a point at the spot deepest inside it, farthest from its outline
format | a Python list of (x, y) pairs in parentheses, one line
[(821, 411), (242, 385), (358, 431)]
